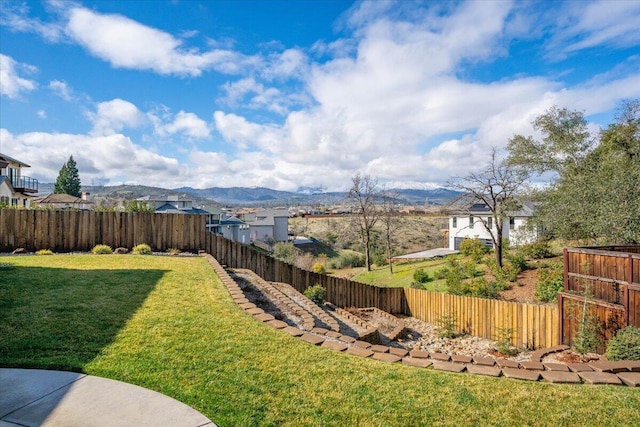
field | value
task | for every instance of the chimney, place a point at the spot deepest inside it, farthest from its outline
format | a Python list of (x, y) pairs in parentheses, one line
[(85, 195)]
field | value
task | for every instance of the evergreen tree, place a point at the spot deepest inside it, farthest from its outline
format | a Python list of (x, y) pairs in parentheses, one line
[(68, 181)]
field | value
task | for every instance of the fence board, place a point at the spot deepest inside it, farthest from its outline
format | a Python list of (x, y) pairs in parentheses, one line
[(609, 274)]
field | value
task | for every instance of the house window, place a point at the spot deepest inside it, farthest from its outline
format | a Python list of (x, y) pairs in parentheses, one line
[(4, 200), (490, 223), (512, 223), (454, 221), (470, 221)]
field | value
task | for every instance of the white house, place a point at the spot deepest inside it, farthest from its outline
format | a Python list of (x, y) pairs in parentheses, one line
[(268, 224), (469, 224), (15, 189)]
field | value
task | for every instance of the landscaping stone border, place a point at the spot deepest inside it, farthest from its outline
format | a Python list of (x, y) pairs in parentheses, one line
[(600, 372)]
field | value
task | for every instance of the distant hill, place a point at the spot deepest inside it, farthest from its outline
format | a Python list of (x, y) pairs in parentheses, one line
[(210, 198), (267, 196)]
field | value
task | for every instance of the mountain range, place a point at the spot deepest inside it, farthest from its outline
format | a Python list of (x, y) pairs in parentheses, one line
[(257, 196)]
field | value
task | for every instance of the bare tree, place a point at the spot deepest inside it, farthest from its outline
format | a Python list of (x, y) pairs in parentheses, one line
[(391, 222), (364, 212), (498, 187)]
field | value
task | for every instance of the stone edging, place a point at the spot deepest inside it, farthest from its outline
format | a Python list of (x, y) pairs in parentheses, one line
[(600, 372)]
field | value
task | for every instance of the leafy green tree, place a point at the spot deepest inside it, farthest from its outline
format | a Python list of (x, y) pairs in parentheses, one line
[(595, 194), (285, 251), (68, 181), (138, 206)]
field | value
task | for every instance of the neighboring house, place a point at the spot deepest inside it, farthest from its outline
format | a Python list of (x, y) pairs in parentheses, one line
[(231, 227), (15, 189), (268, 224), (222, 223), (63, 201), (468, 224)]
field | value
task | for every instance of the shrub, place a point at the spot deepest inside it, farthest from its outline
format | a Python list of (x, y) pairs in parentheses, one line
[(141, 249), (285, 252), (625, 345), (473, 248), (421, 276), (349, 260), (448, 326), (503, 343), (538, 250), (318, 267), (550, 282), (102, 249), (518, 260), (44, 252), (317, 294)]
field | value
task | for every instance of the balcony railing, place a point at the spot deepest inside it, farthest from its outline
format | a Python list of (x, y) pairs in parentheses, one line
[(25, 184)]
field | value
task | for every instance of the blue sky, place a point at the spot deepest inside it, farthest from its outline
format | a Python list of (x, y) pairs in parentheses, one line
[(299, 94)]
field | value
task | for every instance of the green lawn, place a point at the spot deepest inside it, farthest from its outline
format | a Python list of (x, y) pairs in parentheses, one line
[(169, 325), (402, 276)]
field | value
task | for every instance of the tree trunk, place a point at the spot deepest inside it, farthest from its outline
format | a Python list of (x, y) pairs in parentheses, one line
[(499, 247)]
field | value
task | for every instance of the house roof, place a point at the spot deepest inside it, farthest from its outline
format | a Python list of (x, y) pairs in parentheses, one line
[(61, 199), (527, 209), (231, 220), (169, 208), (164, 198), (5, 158)]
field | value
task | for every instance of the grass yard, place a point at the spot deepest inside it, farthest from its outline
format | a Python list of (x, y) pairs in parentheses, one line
[(402, 276), (169, 325)]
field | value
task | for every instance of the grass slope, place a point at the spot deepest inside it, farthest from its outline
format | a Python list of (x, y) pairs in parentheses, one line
[(182, 335)]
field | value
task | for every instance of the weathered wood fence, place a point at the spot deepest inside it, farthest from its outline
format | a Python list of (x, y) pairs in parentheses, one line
[(65, 231), (531, 325), (605, 280), (528, 325)]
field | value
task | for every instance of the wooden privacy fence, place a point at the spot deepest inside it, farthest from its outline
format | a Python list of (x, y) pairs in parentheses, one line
[(65, 231), (609, 278), (525, 325), (531, 325)]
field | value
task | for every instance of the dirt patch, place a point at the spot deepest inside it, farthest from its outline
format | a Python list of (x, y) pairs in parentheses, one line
[(524, 289)]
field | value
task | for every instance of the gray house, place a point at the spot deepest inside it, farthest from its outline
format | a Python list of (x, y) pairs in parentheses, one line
[(268, 224)]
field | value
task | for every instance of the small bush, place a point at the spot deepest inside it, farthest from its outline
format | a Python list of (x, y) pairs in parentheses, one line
[(44, 252), (421, 276), (473, 248), (448, 326), (102, 249), (349, 260), (317, 294), (503, 342), (518, 260), (625, 345), (538, 250), (318, 267), (142, 249), (550, 282)]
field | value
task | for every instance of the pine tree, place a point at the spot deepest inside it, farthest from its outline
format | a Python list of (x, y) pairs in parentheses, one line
[(68, 181)]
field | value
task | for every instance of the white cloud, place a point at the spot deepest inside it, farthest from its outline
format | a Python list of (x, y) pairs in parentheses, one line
[(98, 157), (12, 84), (584, 25), (115, 115), (15, 17), (187, 124), (42, 114), (61, 89), (125, 43)]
